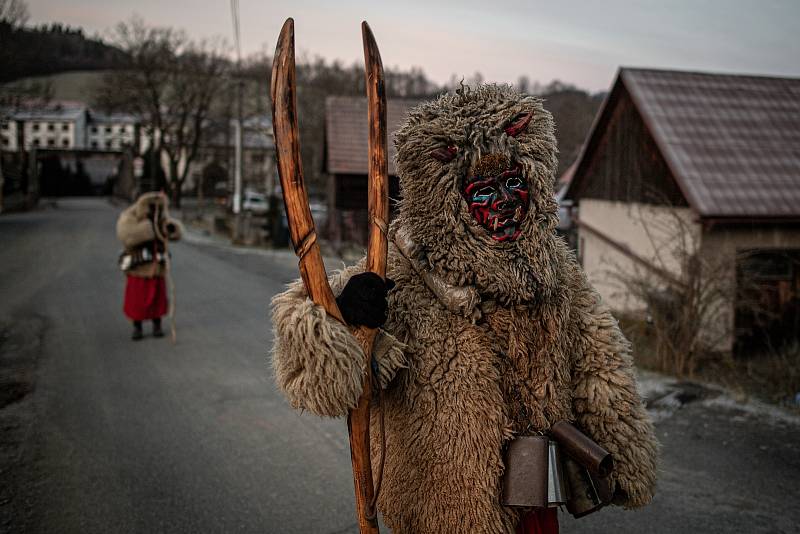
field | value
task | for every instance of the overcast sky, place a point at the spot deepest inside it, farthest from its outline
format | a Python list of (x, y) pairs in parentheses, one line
[(577, 42)]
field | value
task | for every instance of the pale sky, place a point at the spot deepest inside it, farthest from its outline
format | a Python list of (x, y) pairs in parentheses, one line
[(579, 42)]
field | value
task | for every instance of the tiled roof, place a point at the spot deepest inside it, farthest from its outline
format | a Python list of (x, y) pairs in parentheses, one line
[(54, 111), (347, 132), (112, 118), (732, 142)]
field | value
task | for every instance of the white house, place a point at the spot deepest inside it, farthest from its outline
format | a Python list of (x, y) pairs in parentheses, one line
[(67, 126), (111, 131), (62, 126)]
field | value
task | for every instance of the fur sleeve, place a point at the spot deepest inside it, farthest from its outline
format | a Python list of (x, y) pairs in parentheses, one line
[(317, 362), (607, 403), (390, 356)]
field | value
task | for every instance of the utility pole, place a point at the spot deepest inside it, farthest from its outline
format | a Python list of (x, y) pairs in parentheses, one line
[(239, 148), (238, 152)]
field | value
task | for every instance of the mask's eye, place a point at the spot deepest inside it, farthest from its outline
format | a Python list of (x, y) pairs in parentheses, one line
[(445, 155), (515, 182), (518, 124), (483, 194)]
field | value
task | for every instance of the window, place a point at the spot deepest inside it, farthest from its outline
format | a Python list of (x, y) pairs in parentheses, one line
[(51, 127), (108, 129), (65, 142), (51, 142), (4, 126), (94, 129), (94, 144), (768, 264), (6, 141), (35, 127), (257, 158), (36, 142), (65, 127)]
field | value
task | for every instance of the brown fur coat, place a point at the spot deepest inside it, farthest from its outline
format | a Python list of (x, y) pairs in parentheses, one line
[(536, 346), (135, 228)]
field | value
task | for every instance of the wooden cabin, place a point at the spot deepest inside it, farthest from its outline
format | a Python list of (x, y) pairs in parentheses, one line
[(706, 162), (346, 152)]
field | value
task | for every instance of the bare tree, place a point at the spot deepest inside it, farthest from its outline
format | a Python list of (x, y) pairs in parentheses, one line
[(171, 83), (21, 95), (14, 12), (15, 97), (523, 84), (687, 293)]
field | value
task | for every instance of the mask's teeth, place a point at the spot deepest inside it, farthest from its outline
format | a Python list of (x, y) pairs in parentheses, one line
[(518, 214), (495, 223)]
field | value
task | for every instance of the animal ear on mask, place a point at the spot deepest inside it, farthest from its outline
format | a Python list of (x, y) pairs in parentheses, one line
[(445, 155), (518, 124)]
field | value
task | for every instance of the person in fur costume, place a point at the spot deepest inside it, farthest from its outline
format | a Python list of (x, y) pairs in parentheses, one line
[(491, 332), (144, 229)]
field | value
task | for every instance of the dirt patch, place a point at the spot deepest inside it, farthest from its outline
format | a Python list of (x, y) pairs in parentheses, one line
[(20, 347)]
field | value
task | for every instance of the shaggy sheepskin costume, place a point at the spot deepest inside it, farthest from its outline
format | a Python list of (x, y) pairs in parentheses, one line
[(485, 340), (145, 291)]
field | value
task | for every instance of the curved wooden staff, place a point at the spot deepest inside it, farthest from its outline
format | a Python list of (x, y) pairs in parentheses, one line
[(304, 239)]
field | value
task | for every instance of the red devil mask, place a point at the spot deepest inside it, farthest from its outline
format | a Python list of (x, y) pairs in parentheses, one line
[(496, 193)]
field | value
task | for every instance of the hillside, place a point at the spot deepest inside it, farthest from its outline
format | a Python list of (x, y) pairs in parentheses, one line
[(77, 86), (573, 111), (51, 49)]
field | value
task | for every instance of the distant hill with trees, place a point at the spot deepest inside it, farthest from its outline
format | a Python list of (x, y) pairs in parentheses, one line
[(573, 110), (52, 48)]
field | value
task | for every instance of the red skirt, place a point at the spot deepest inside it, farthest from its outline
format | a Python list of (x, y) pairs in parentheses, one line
[(145, 298), (539, 521)]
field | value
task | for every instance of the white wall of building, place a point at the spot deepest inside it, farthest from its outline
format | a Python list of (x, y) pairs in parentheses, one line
[(648, 232), (55, 132), (110, 135), (8, 135)]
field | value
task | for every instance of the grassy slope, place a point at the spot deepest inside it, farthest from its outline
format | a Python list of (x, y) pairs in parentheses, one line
[(77, 86)]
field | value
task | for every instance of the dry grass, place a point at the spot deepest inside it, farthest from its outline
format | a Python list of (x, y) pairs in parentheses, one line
[(772, 376)]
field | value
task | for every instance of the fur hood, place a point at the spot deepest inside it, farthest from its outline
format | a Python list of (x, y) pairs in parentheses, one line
[(451, 243), (134, 227)]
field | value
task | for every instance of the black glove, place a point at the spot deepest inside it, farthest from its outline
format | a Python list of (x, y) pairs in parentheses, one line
[(363, 300)]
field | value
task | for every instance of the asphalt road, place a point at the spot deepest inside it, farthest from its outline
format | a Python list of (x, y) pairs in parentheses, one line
[(116, 436)]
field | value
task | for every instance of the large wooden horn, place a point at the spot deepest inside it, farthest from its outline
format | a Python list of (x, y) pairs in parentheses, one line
[(312, 269), (378, 185)]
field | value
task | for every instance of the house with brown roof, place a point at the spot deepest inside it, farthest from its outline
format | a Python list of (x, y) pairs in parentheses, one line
[(346, 152), (706, 163)]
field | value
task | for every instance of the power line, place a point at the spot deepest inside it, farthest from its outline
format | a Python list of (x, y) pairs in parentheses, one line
[(236, 32)]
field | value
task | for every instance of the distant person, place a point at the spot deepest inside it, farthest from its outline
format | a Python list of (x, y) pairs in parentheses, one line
[(144, 229)]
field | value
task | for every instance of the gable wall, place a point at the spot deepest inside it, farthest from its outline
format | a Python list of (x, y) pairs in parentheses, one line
[(627, 165)]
